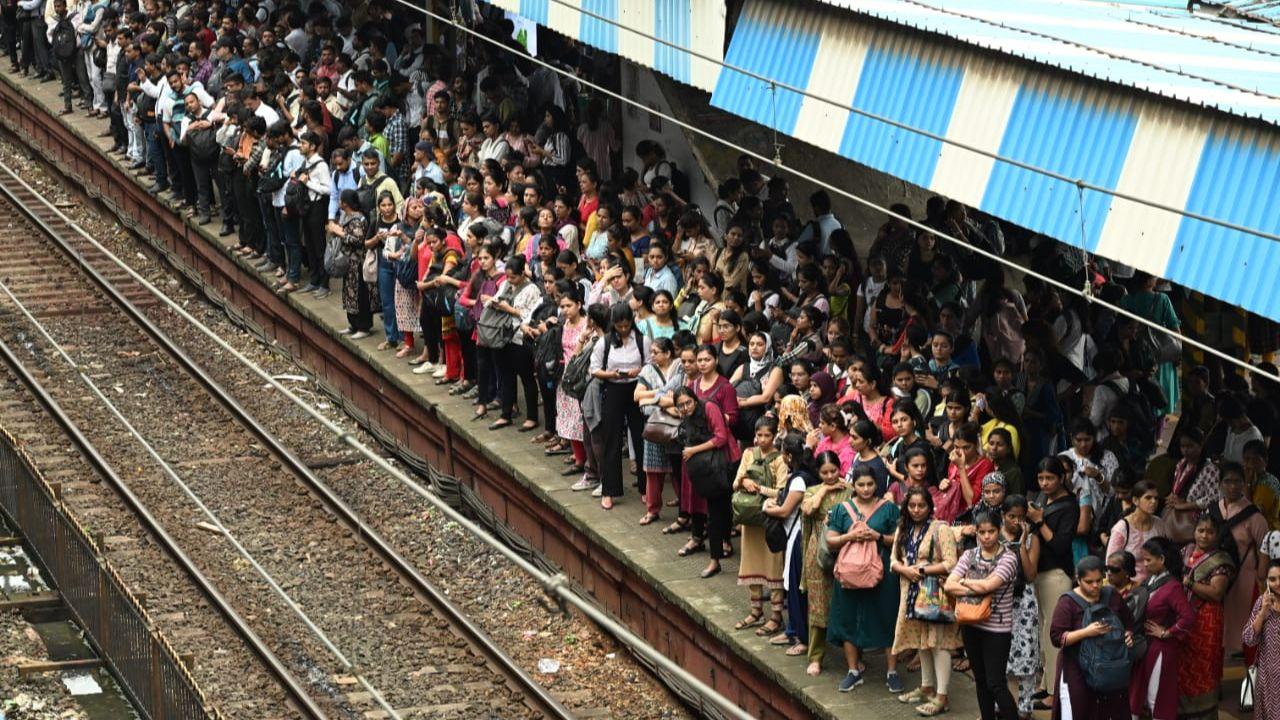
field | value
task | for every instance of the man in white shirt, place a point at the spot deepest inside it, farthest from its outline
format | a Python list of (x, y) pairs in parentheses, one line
[(282, 140), (824, 223), (315, 175)]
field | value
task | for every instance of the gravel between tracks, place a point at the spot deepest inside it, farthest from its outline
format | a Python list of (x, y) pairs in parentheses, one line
[(594, 672)]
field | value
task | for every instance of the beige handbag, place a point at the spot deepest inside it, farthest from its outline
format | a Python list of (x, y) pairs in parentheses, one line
[(369, 268)]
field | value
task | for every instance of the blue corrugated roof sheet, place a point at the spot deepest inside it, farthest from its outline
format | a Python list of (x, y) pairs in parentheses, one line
[(1182, 55), (1263, 10), (1208, 163)]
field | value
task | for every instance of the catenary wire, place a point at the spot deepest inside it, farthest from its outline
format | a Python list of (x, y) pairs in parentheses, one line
[(555, 585), (860, 200), (208, 513), (775, 85)]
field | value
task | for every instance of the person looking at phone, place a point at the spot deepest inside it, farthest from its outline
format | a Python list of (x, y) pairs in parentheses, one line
[(1068, 631), (1263, 632)]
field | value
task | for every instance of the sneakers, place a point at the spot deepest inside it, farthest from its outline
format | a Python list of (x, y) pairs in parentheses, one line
[(360, 334), (893, 682), (583, 484), (598, 492), (851, 680), (440, 372), (423, 369), (323, 292)]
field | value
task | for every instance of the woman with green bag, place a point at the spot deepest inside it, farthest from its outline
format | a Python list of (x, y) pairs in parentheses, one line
[(762, 473), (924, 552)]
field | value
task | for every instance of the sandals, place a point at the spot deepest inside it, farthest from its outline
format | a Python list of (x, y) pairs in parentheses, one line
[(769, 628), (797, 649), (917, 696), (960, 665), (676, 528), (541, 437), (648, 518), (755, 618), (691, 547), (499, 424), (557, 450), (932, 708), (528, 426)]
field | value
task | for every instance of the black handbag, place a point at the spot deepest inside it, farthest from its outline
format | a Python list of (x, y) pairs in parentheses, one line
[(709, 473), (407, 270)]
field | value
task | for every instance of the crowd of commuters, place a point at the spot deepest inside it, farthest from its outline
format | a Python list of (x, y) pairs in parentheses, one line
[(913, 454)]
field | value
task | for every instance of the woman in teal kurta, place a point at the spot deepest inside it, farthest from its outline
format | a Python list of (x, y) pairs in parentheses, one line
[(864, 619), (1156, 307)]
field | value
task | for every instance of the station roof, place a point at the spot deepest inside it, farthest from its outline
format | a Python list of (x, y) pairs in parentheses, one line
[(696, 25), (1050, 84), (1185, 56)]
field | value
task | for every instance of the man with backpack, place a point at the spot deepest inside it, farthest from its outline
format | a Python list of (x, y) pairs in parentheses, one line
[(63, 44), (315, 184), (374, 182), (288, 162)]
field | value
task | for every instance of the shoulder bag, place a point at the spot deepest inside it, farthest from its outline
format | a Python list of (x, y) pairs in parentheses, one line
[(496, 328)]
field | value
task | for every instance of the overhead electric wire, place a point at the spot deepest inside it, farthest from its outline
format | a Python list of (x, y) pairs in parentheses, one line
[(855, 198), (779, 85)]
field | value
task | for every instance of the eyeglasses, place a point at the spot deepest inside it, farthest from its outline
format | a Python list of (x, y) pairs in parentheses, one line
[(1114, 569)]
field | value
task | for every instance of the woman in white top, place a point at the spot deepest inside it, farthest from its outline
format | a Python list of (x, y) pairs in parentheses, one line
[(786, 505)]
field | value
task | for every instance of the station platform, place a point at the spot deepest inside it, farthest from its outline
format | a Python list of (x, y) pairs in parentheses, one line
[(713, 605)]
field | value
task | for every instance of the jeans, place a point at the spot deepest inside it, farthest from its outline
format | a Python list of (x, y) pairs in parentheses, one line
[(155, 153), (202, 170), (273, 245), (313, 237), (293, 252), (387, 294), (67, 69), (248, 212), (988, 657), (133, 129), (35, 45)]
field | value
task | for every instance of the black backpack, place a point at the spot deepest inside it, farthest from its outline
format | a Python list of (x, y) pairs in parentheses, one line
[(368, 194), (1137, 602), (547, 357), (63, 39), (297, 196)]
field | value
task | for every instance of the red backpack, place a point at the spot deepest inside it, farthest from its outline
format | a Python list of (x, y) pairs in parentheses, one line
[(858, 567)]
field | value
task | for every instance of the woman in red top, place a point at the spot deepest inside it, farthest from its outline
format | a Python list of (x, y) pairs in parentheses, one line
[(708, 386), (963, 485), (706, 430)]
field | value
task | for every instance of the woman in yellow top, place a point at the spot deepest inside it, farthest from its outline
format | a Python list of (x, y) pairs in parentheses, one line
[(993, 410), (1264, 489), (763, 472), (815, 581)]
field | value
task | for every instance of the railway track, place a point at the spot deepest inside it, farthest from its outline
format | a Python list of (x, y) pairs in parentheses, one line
[(333, 613)]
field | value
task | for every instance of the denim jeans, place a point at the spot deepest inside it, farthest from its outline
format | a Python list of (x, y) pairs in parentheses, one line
[(271, 231), (387, 294), (155, 153), (293, 249)]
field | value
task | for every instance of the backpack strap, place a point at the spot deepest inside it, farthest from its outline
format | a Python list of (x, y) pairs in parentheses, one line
[(1075, 597)]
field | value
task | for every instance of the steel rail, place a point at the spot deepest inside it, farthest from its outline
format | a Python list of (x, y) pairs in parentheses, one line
[(539, 698), (304, 703)]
